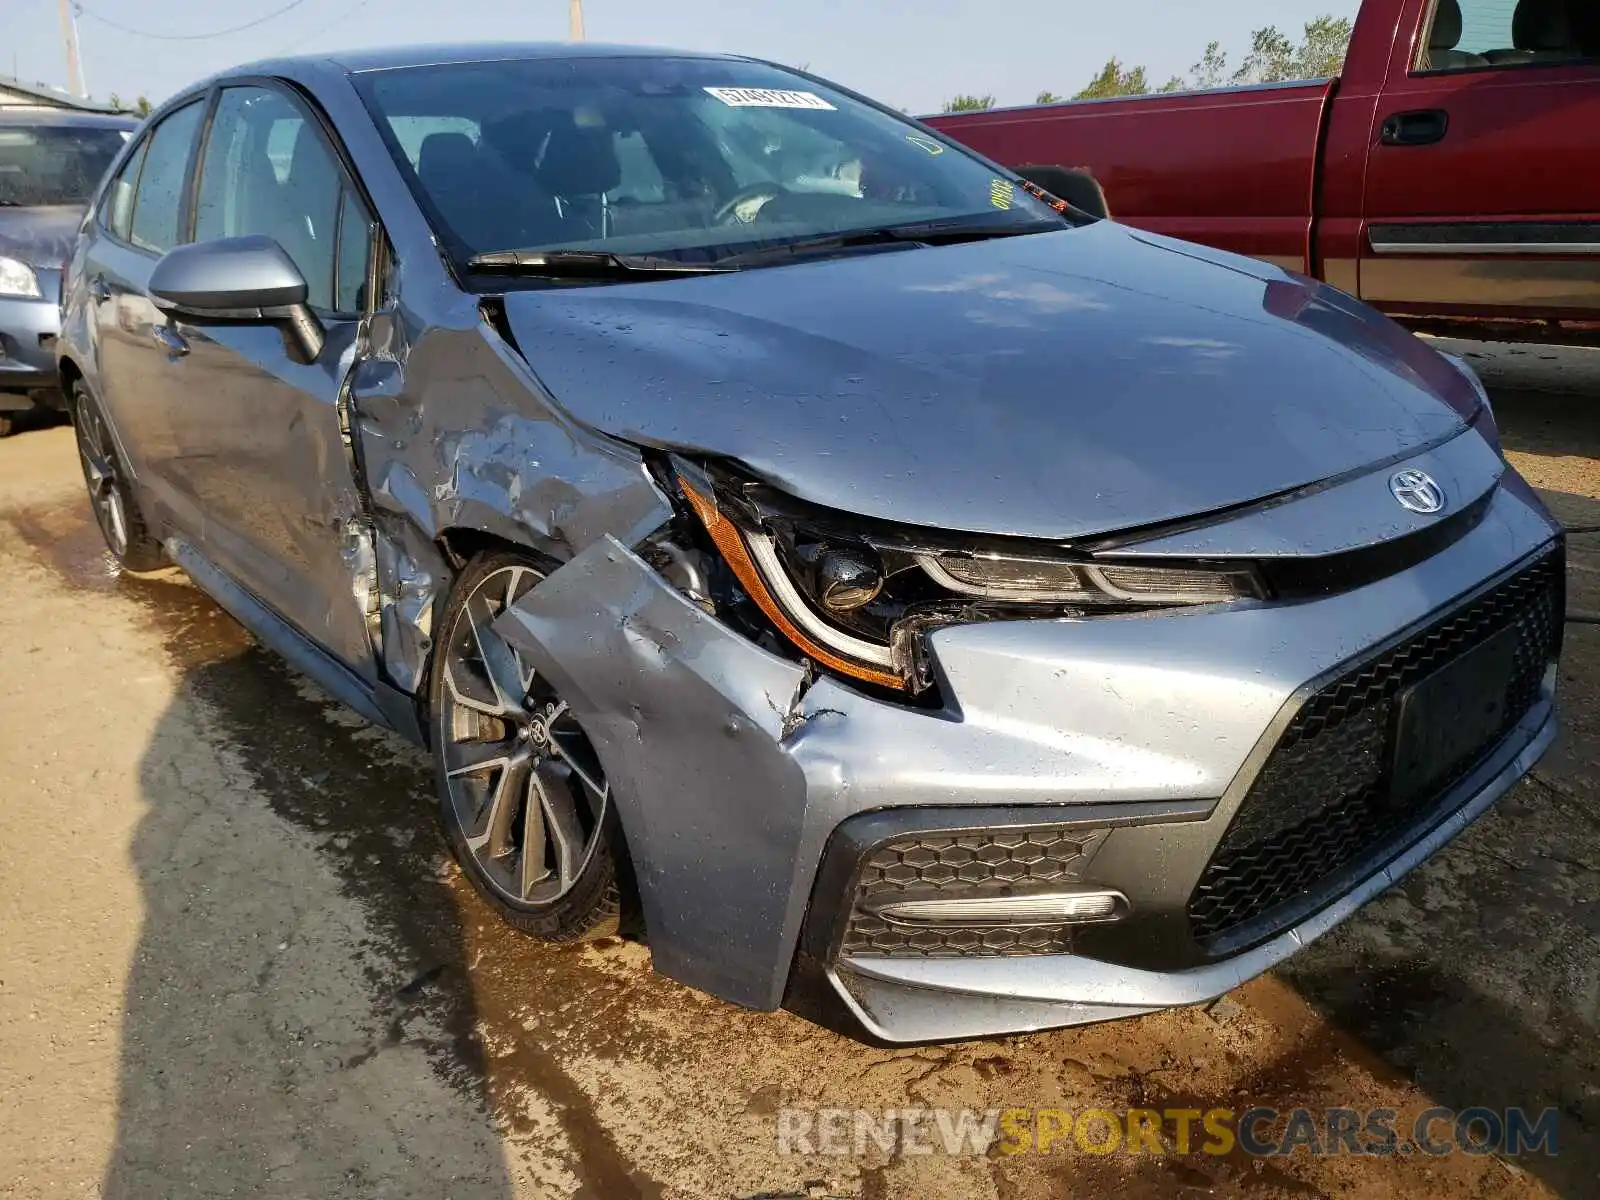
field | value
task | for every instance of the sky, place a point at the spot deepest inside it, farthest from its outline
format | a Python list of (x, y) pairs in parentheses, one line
[(913, 54)]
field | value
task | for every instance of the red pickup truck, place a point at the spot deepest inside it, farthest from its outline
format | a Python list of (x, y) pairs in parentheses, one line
[(1449, 176)]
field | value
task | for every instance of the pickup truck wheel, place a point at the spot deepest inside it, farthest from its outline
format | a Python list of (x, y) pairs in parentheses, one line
[(110, 494), (524, 800)]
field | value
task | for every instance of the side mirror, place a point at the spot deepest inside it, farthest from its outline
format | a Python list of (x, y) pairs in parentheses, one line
[(238, 279), (1075, 185)]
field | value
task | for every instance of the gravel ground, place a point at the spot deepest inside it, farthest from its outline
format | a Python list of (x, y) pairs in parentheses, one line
[(235, 959)]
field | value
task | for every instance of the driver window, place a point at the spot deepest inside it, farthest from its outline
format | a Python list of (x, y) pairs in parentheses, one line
[(267, 170), (158, 202)]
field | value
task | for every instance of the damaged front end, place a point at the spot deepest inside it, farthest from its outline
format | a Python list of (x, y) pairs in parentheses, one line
[(734, 668), (889, 750), (859, 598)]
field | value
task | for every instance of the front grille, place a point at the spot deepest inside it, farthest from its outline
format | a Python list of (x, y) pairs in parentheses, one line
[(981, 863), (1323, 802)]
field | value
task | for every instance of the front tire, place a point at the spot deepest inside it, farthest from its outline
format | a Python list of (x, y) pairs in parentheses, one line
[(110, 492), (523, 798)]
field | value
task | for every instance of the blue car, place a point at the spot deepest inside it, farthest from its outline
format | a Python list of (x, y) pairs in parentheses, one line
[(50, 163), (909, 595)]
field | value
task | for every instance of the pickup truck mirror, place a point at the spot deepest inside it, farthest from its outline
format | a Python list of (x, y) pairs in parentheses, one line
[(1076, 186), (238, 279)]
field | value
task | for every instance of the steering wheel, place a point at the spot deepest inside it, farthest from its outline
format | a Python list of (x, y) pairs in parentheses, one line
[(739, 210)]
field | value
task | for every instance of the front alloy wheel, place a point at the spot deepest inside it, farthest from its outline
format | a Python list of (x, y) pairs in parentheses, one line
[(524, 798), (110, 494)]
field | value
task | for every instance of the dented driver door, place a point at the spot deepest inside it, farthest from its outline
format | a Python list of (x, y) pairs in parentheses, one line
[(263, 438), (265, 457)]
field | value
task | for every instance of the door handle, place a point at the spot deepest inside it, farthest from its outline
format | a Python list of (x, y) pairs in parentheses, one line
[(98, 291), (1420, 128), (172, 343)]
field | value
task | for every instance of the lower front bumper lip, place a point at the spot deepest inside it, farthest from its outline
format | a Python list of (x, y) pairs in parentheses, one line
[(929, 999)]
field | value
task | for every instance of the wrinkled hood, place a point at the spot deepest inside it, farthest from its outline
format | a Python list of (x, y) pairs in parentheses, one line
[(40, 237), (1055, 386)]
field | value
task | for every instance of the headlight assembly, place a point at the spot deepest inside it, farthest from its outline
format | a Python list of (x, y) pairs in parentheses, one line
[(859, 599), (18, 280)]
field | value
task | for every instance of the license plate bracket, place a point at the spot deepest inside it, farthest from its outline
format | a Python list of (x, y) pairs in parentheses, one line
[(1450, 716)]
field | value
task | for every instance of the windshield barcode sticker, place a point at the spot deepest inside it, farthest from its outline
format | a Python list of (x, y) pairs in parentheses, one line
[(737, 97)]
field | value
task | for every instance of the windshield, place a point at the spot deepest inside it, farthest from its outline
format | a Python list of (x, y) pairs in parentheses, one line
[(54, 164), (676, 157)]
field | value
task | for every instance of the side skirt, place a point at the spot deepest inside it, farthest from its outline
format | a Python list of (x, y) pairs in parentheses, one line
[(378, 703)]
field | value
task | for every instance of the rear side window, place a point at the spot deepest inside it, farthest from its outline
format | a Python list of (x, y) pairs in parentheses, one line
[(117, 211), (158, 203), (266, 170), (1474, 35)]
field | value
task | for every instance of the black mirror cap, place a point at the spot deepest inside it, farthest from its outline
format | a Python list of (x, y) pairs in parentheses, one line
[(1078, 187), (228, 277)]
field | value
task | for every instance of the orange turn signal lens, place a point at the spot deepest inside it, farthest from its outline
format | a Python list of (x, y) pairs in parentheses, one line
[(731, 544)]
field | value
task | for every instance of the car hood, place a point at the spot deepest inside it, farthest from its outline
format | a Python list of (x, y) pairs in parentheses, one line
[(40, 237), (1056, 385)]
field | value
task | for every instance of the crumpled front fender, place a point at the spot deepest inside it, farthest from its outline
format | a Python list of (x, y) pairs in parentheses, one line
[(690, 721)]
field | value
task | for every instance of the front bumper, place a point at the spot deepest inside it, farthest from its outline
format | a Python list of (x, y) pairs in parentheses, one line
[(28, 332), (940, 999), (734, 776)]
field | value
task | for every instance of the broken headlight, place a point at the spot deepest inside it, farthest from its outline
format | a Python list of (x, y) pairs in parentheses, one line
[(859, 599)]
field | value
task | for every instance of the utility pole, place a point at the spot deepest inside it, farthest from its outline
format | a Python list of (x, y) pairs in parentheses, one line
[(83, 76), (69, 32), (574, 19)]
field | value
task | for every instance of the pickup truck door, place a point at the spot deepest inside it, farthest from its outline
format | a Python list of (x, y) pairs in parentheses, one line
[(263, 449), (1483, 180)]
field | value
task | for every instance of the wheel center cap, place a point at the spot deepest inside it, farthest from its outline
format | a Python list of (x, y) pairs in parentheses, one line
[(536, 732)]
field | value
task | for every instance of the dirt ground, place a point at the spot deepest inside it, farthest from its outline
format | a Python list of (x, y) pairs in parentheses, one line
[(235, 959)]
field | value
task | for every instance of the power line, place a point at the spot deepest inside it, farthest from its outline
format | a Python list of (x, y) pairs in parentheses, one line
[(316, 33), (188, 37)]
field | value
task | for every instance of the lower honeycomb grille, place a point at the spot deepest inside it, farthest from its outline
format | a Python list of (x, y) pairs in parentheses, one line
[(1325, 800), (982, 863)]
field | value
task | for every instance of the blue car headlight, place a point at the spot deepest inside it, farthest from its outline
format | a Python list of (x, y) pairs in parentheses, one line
[(17, 279)]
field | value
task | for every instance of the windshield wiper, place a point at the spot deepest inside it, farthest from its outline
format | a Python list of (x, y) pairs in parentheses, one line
[(602, 264), (586, 264), (920, 233)]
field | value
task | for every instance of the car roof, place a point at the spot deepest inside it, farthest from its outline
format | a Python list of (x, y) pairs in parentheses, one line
[(11, 117), (433, 54)]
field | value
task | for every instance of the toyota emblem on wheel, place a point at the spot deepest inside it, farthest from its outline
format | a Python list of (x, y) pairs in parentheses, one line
[(1417, 491)]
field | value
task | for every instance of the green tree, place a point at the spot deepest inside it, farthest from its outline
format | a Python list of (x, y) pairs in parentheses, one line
[(1212, 69), (1274, 57), (1326, 42), (965, 103), (142, 106), (1115, 80)]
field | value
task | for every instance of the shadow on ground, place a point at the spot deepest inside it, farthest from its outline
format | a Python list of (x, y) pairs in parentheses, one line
[(268, 1047)]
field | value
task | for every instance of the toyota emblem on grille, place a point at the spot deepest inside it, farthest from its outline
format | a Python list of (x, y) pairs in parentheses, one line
[(1417, 491)]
